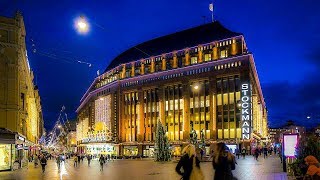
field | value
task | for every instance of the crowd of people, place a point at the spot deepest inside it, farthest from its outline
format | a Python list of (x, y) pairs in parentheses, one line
[(42, 158), (224, 161)]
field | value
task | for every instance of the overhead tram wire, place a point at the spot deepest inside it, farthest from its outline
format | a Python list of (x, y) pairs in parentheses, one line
[(60, 57)]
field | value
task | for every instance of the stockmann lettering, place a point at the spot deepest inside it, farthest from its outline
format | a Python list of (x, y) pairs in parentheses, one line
[(245, 110)]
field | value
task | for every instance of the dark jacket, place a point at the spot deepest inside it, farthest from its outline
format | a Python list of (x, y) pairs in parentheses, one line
[(43, 161), (186, 163), (223, 167)]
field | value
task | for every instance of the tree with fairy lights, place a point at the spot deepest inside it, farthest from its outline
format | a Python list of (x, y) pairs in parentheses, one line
[(162, 147)]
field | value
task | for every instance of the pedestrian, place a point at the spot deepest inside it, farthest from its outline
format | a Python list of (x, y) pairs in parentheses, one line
[(190, 164), (280, 155), (36, 160), (89, 159), (43, 162), (313, 171), (243, 152), (265, 152), (223, 163), (79, 158), (256, 154), (201, 154), (238, 152), (75, 161), (102, 161), (58, 161)]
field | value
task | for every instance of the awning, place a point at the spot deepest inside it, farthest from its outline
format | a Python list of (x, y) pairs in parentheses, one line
[(7, 136)]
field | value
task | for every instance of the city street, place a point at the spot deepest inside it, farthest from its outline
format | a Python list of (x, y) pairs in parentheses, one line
[(247, 169)]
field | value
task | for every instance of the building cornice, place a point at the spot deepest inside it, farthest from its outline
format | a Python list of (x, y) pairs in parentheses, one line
[(160, 73), (256, 77), (154, 57)]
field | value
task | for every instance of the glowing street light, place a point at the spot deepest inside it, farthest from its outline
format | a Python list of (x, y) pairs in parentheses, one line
[(196, 87), (82, 25), (308, 117), (59, 126)]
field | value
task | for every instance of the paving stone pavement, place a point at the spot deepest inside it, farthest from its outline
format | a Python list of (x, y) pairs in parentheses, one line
[(146, 169)]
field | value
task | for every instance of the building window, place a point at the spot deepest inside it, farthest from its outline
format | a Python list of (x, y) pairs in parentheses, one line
[(223, 53), (207, 57), (194, 60)]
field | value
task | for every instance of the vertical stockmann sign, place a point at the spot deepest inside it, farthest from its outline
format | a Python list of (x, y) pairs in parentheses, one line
[(246, 110)]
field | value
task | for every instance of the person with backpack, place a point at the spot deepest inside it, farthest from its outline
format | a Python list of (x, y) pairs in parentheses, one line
[(190, 164), (223, 163), (43, 162), (313, 172)]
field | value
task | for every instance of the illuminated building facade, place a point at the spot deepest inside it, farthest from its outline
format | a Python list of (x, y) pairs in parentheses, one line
[(20, 108), (202, 79)]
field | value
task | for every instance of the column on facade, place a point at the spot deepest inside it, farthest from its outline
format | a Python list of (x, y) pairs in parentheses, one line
[(164, 63), (123, 72), (152, 69), (112, 114), (132, 70), (141, 128), (234, 47), (162, 105), (142, 67), (200, 54), (186, 110), (187, 56), (175, 60), (122, 117), (215, 51), (213, 108)]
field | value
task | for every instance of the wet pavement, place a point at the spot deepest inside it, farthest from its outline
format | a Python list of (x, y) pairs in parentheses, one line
[(246, 169)]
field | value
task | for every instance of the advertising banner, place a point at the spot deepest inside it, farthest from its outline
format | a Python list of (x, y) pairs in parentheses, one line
[(246, 110), (290, 142)]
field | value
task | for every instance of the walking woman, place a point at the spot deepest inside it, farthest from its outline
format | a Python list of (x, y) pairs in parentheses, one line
[(223, 162), (190, 164)]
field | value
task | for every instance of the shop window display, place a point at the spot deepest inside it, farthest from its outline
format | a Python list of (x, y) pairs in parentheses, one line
[(5, 156)]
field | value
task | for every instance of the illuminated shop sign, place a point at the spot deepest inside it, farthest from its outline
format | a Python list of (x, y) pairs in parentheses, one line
[(20, 138), (97, 138), (19, 146), (246, 110), (290, 142)]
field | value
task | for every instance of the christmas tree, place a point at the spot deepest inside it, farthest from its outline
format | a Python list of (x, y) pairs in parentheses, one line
[(162, 147)]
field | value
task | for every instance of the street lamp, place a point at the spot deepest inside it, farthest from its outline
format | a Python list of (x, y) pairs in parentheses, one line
[(82, 25)]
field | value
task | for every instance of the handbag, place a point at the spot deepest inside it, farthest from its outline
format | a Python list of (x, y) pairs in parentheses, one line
[(196, 173)]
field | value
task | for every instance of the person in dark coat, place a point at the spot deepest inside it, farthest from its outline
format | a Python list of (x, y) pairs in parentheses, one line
[(186, 162), (43, 162), (223, 163)]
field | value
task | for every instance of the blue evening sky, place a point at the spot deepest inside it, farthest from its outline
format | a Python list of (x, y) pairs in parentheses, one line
[(284, 37)]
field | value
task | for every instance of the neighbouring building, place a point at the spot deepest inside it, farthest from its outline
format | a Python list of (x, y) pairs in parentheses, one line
[(20, 107), (276, 134), (70, 127), (202, 79)]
